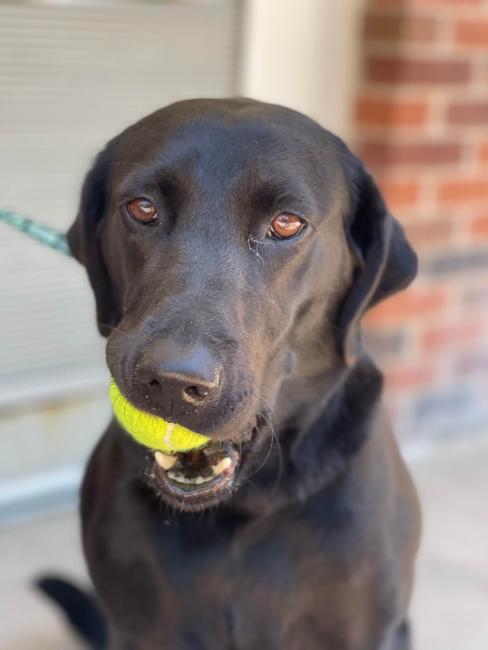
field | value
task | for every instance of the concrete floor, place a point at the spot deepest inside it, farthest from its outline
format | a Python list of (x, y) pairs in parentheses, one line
[(450, 607)]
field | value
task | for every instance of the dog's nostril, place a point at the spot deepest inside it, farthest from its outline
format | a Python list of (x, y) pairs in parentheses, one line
[(195, 394), (178, 379)]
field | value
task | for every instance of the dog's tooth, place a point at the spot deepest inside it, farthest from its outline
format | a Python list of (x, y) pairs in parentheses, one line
[(195, 480), (180, 478), (164, 461), (221, 466), (177, 476)]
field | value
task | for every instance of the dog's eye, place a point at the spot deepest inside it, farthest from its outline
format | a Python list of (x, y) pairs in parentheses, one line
[(285, 225), (142, 210)]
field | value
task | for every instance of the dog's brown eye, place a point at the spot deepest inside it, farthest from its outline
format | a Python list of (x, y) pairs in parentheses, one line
[(285, 225), (142, 210)]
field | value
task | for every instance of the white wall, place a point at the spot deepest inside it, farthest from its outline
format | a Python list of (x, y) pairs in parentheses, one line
[(304, 54)]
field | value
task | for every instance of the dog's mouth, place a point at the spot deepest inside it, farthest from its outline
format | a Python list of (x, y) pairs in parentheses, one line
[(197, 477)]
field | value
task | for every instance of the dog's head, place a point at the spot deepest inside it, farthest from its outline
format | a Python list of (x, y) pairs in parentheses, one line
[(233, 247)]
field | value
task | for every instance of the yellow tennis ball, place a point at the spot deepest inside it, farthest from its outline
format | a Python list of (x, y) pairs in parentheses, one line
[(152, 431)]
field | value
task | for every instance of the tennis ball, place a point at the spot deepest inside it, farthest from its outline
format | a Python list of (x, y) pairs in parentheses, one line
[(152, 431)]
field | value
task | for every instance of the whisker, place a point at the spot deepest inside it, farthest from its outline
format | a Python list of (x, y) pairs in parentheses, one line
[(267, 414)]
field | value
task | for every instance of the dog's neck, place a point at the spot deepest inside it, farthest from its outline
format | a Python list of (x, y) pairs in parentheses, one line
[(315, 449)]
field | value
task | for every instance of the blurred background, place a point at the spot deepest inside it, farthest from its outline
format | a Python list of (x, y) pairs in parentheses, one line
[(405, 83)]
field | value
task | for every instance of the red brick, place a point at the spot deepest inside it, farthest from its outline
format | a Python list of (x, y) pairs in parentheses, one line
[(479, 227), (400, 194), (392, 28), (419, 71), (409, 377), (472, 32), (438, 338), (475, 298), (414, 304), (484, 153), (416, 153), (468, 113), (455, 191), (401, 4), (391, 112), (400, 135), (458, 4), (429, 233), (472, 363)]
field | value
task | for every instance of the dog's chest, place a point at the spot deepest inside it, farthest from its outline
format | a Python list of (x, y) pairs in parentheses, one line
[(274, 587)]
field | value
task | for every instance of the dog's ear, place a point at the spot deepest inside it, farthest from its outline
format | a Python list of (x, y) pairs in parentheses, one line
[(84, 239), (385, 261)]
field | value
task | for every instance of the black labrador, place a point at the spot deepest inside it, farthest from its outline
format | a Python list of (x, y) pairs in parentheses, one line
[(233, 247)]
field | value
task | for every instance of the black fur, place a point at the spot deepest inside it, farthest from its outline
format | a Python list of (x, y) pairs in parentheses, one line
[(81, 610), (311, 545)]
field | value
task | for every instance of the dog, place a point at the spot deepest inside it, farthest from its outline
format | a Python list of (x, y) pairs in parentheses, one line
[(233, 247)]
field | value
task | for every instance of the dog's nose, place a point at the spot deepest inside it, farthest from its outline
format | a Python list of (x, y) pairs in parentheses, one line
[(176, 378)]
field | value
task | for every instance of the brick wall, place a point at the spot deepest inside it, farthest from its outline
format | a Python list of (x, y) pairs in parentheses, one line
[(422, 128)]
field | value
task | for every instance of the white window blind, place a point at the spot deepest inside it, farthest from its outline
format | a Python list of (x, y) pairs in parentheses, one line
[(71, 76)]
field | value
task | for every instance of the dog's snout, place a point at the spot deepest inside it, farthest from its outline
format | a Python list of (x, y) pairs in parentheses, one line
[(175, 378)]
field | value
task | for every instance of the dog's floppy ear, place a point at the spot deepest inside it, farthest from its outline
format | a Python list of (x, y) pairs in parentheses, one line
[(386, 262), (84, 239)]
